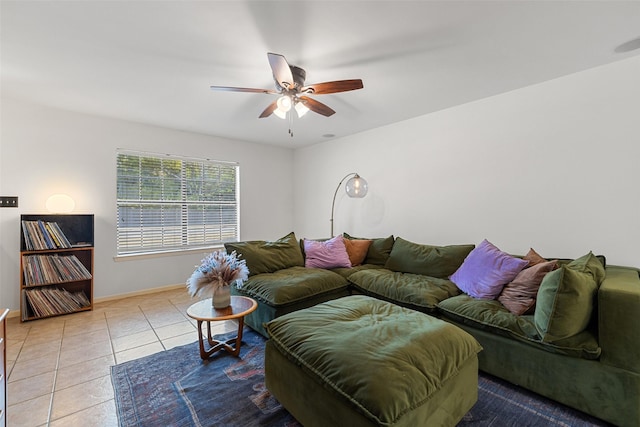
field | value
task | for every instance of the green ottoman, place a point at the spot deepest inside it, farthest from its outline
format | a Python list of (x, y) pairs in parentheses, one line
[(359, 361)]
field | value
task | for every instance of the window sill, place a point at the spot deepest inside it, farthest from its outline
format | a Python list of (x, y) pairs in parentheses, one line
[(164, 254)]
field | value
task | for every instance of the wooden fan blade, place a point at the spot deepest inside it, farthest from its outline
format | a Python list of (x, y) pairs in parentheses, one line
[(317, 107), (269, 110), (242, 89), (281, 70), (333, 87)]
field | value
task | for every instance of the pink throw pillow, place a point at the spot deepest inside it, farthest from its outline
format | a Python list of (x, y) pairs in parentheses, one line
[(331, 253)]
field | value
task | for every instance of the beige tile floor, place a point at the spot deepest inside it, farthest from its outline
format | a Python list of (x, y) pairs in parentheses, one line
[(59, 368)]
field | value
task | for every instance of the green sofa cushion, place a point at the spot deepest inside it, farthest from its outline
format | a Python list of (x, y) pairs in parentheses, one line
[(618, 302), (492, 316), (414, 291), (434, 261), (378, 252), (266, 257), (291, 285), (346, 272), (384, 359), (566, 298)]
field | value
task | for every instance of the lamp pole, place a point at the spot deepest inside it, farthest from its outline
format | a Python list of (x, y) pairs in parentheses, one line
[(358, 190)]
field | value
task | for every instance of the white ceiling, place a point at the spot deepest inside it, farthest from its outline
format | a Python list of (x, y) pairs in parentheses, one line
[(153, 61)]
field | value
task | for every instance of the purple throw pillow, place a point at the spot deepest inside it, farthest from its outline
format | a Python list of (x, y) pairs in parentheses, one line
[(331, 253), (486, 270)]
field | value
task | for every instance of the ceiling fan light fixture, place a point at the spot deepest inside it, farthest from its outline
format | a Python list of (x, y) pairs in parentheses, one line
[(301, 109), (290, 87), (284, 103), (280, 114)]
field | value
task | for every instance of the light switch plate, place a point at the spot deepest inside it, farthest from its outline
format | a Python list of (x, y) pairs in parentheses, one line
[(8, 201)]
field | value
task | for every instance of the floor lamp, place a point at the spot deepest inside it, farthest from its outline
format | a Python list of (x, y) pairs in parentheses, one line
[(356, 187)]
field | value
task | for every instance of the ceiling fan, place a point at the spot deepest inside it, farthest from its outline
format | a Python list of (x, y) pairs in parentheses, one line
[(293, 93)]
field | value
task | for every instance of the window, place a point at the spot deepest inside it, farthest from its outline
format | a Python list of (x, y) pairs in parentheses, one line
[(168, 203)]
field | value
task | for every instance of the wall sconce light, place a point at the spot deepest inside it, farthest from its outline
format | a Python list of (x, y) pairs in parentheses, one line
[(356, 187), (60, 203)]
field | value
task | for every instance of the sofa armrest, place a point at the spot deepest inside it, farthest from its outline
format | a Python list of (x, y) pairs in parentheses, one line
[(618, 318)]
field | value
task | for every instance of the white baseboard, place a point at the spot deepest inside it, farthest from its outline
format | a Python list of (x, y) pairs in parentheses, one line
[(137, 293), (16, 313)]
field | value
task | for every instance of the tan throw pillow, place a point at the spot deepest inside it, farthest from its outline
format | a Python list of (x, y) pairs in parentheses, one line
[(357, 250), (379, 250), (519, 296), (533, 257)]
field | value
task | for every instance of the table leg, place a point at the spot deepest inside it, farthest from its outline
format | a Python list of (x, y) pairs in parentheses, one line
[(236, 350), (203, 353), (216, 345)]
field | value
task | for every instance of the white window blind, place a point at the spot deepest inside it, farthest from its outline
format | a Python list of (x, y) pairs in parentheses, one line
[(167, 203)]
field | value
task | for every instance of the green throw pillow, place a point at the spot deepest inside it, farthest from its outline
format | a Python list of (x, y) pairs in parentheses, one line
[(428, 260), (566, 297), (379, 250), (267, 257), (589, 264)]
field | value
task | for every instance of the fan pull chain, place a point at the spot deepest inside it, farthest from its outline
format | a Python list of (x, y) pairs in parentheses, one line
[(291, 124)]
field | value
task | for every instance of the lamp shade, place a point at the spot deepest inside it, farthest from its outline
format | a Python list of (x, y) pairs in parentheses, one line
[(357, 187), (60, 203)]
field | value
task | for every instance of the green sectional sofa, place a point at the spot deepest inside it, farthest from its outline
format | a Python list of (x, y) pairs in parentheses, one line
[(572, 338)]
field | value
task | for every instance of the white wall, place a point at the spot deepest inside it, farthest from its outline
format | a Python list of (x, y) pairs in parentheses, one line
[(46, 151), (552, 166)]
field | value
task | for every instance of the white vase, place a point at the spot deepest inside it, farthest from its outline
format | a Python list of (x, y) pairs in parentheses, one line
[(221, 297)]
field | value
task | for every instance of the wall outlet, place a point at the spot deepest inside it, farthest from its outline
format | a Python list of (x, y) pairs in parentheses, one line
[(8, 202)]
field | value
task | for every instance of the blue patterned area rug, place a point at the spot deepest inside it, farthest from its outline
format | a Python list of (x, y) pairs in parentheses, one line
[(176, 388)]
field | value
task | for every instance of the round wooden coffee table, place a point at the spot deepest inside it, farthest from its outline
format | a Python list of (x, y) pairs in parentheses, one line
[(202, 311)]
